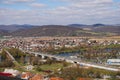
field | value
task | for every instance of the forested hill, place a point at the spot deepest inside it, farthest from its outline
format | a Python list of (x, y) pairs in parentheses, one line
[(52, 30), (60, 30)]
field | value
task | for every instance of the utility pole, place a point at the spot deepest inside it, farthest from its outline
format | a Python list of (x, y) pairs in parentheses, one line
[(0, 59)]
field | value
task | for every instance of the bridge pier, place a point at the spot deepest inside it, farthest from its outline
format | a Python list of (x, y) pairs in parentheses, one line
[(53, 58), (39, 56), (43, 57), (36, 55)]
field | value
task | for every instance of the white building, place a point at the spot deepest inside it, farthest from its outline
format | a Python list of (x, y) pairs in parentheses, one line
[(113, 61), (12, 71)]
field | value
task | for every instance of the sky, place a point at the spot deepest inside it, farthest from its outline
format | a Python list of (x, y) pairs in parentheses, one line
[(57, 12)]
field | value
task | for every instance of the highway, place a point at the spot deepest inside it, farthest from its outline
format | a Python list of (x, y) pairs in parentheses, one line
[(78, 61)]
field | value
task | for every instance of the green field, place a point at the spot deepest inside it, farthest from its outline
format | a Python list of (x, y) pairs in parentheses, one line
[(52, 67)]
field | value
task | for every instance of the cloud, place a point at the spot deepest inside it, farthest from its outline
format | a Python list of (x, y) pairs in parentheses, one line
[(76, 1), (76, 11), (16, 1), (11, 16), (38, 5)]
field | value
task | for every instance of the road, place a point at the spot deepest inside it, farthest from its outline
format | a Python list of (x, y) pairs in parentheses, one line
[(12, 58)]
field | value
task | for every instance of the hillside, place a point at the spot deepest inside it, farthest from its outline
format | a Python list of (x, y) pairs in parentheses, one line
[(87, 26), (14, 27), (52, 30), (101, 28), (59, 30), (78, 25), (4, 33), (109, 29)]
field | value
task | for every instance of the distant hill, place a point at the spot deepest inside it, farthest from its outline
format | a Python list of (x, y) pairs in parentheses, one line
[(52, 30), (110, 29), (98, 25), (59, 30), (47, 30), (92, 25), (77, 25), (4, 33), (101, 28), (14, 27), (86, 26)]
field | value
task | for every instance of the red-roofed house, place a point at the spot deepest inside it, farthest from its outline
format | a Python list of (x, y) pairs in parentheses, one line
[(84, 79), (26, 75), (37, 77), (56, 78), (5, 74)]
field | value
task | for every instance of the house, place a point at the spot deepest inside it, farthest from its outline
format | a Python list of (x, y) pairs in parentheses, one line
[(56, 78), (84, 79), (26, 75), (39, 77), (5, 74), (113, 61), (12, 71), (29, 67)]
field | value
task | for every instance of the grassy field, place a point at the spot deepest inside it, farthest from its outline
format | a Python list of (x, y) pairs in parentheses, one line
[(1, 69), (52, 67), (106, 38), (101, 38)]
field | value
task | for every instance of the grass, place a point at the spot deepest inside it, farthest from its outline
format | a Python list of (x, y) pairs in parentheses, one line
[(52, 67), (90, 32), (1, 69), (46, 67)]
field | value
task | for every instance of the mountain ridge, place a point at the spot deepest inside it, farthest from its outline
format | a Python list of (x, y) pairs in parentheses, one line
[(14, 27), (47, 30), (58, 30)]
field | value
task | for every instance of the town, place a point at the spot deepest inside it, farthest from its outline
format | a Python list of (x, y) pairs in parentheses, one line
[(59, 39), (41, 43), (68, 49)]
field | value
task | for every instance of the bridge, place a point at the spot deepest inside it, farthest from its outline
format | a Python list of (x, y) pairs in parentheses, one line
[(73, 60)]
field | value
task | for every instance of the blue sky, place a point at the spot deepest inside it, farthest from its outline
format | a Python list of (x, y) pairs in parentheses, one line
[(44, 12)]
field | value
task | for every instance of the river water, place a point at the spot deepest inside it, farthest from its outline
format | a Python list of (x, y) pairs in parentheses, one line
[(68, 54)]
